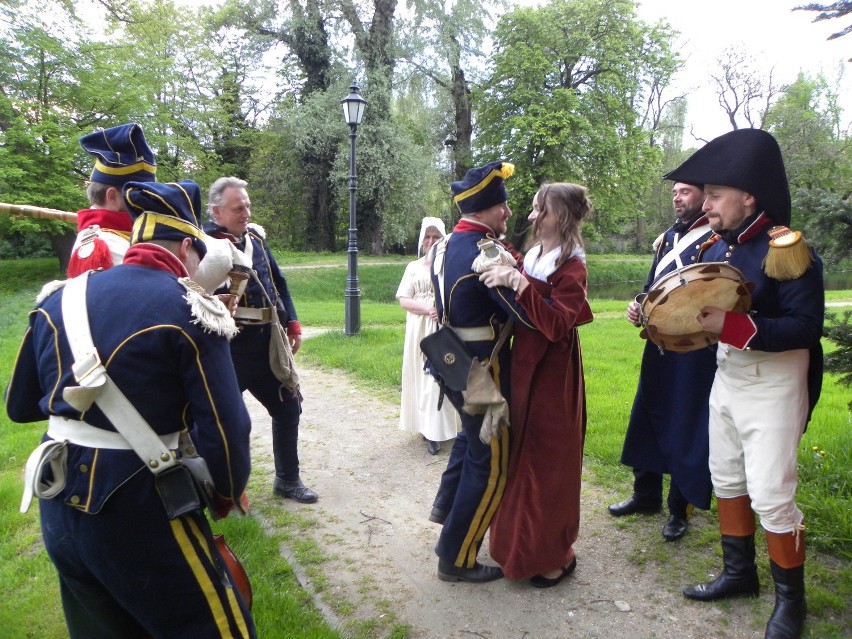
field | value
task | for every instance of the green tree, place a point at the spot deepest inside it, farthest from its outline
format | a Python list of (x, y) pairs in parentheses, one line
[(374, 41), (806, 121), (39, 69), (301, 189), (565, 102), (444, 42)]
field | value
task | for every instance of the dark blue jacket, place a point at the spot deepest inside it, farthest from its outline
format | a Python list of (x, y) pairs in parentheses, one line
[(667, 431), (177, 374), (785, 315), (264, 265)]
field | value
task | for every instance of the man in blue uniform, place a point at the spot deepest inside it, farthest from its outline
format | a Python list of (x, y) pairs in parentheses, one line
[(667, 432), (121, 155), (769, 369), (473, 482), (132, 544), (230, 212)]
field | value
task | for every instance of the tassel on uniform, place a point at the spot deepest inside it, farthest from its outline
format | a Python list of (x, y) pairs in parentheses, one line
[(91, 255), (789, 254), (208, 310)]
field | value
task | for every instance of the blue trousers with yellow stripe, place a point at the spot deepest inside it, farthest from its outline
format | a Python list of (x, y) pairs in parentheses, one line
[(471, 489), (129, 572)]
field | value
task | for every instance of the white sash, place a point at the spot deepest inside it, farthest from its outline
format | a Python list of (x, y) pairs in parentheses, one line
[(680, 245)]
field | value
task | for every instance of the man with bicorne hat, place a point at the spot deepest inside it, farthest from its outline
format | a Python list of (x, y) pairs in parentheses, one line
[(103, 231), (473, 482), (667, 431), (127, 365), (769, 368)]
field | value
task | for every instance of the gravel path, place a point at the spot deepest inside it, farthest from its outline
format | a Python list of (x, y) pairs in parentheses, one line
[(376, 486)]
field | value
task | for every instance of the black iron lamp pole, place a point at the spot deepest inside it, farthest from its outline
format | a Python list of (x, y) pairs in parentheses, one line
[(353, 111)]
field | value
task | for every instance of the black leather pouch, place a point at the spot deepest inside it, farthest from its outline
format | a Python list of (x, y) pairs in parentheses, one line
[(177, 491), (447, 358)]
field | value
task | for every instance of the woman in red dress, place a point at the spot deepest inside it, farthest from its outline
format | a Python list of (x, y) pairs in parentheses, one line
[(536, 525)]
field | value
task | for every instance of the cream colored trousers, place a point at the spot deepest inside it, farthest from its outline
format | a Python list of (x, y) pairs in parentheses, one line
[(758, 411)]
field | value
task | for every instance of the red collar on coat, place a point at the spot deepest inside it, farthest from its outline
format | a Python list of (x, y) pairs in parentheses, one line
[(113, 220), (155, 257), (465, 225)]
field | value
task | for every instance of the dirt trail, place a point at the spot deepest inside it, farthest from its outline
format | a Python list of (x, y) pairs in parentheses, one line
[(376, 486)]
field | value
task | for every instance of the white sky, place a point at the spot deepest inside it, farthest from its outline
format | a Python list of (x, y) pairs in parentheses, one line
[(776, 36)]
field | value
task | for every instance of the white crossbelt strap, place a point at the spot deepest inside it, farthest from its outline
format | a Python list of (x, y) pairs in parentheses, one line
[(680, 245), (97, 387)]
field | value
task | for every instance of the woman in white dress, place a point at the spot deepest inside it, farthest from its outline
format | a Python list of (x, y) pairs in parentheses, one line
[(418, 411)]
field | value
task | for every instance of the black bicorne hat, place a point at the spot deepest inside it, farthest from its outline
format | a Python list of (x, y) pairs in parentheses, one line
[(746, 159)]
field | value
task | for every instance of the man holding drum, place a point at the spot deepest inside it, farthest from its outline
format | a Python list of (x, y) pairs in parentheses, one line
[(769, 368), (667, 432)]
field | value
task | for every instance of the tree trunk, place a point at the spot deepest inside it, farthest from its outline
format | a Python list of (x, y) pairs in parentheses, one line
[(321, 231), (62, 245), (464, 123), (375, 47)]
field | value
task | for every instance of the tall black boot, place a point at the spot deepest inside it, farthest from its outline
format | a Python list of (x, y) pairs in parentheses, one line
[(788, 618), (738, 577)]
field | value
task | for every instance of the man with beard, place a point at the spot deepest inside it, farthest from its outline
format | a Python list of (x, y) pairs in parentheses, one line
[(667, 432)]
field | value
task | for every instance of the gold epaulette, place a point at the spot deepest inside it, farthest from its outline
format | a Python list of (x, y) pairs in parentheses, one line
[(789, 255)]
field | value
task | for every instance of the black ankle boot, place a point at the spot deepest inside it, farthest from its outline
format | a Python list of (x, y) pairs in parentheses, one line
[(788, 618), (738, 577)]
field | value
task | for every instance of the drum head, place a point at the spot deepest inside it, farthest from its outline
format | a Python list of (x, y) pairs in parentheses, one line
[(672, 305)]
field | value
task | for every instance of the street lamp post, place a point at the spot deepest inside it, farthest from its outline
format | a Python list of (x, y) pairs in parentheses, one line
[(353, 111)]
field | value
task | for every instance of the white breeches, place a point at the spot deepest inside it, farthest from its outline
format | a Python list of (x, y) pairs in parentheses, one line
[(758, 411)]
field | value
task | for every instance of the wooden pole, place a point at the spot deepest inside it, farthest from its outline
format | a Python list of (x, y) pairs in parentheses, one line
[(38, 212)]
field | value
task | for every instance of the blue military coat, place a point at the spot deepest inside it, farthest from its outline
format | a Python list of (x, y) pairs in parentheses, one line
[(667, 431), (785, 315), (264, 265), (175, 372)]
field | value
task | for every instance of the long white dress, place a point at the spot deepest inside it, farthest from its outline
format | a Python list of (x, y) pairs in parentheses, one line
[(418, 411)]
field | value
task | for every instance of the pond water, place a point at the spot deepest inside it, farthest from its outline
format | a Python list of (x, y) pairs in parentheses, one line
[(628, 290)]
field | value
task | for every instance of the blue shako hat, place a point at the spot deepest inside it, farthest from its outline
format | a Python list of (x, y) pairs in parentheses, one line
[(165, 211), (121, 155), (482, 187), (746, 159)]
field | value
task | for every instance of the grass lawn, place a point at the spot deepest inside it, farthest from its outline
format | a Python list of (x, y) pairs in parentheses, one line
[(612, 353)]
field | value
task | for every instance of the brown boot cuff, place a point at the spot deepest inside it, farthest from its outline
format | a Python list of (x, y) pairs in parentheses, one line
[(736, 518), (787, 549)]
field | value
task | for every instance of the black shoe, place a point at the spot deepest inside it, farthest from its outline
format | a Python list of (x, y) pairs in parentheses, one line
[(433, 447), (477, 575), (295, 490), (632, 506), (437, 515), (539, 581), (675, 528)]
